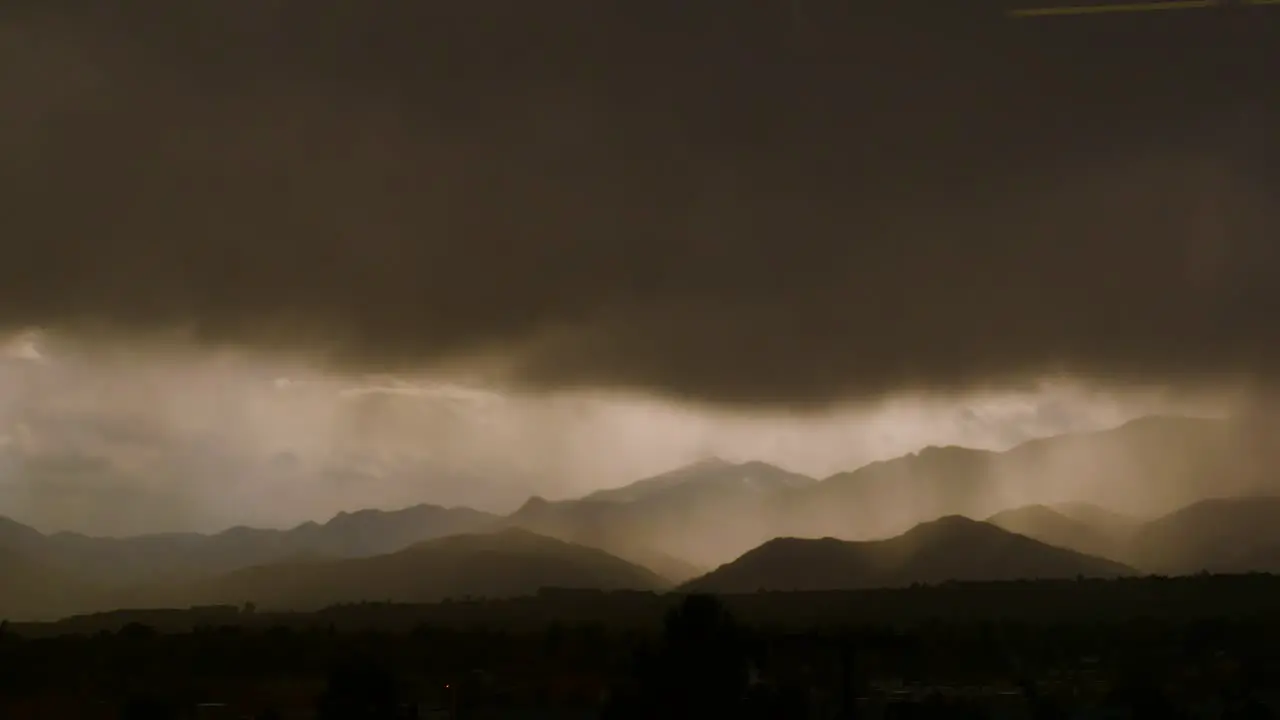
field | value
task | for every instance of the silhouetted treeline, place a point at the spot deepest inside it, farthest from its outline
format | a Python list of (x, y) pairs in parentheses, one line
[(700, 660), (1038, 601)]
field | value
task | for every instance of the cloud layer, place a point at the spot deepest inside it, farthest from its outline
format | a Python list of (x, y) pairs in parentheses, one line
[(735, 202)]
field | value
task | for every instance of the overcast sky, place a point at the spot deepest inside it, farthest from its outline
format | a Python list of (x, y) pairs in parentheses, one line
[(721, 212)]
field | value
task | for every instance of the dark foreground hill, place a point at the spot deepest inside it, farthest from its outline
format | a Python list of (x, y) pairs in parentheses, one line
[(952, 548), (508, 563)]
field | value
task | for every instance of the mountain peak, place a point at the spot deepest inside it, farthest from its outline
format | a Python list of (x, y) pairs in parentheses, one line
[(705, 466), (953, 547), (1036, 509), (713, 475), (711, 462), (940, 449), (951, 526), (13, 532), (373, 514), (535, 502)]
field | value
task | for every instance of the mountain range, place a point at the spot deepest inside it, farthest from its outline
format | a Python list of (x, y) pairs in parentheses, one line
[(703, 513), (1218, 535), (714, 511), (1057, 507), (502, 563), (129, 560), (1085, 528)]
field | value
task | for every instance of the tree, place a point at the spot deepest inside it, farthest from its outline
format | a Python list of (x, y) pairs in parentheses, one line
[(359, 689), (146, 707), (700, 669)]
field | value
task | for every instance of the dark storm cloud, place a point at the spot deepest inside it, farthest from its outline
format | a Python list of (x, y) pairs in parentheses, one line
[(729, 201)]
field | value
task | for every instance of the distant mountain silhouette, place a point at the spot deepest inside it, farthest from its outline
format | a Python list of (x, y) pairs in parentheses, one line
[(668, 567), (1073, 492), (1150, 463), (506, 563), (700, 513), (951, 548), (376, 532), (1226, 535), (1078, 526), (127, 561), (1097, 517), (706, 477), (885, 498), (16, 536), (712, 511)]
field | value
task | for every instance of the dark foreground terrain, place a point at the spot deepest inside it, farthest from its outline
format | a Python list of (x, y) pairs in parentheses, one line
[(1205, 646)]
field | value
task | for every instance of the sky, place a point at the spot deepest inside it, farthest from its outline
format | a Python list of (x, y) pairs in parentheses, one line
[(658, 224)]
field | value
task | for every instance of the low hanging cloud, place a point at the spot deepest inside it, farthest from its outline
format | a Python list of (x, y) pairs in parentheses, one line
[(771, 203)]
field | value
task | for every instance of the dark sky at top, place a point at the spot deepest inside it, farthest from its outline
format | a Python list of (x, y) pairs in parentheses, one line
[(724, 200)]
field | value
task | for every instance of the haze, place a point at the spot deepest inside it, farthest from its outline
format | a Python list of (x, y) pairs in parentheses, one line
[(122, 443)]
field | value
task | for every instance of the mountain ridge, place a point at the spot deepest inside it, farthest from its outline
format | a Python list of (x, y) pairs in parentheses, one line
[(679, 523), (138, 558), (509, 562), (951, 548)]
